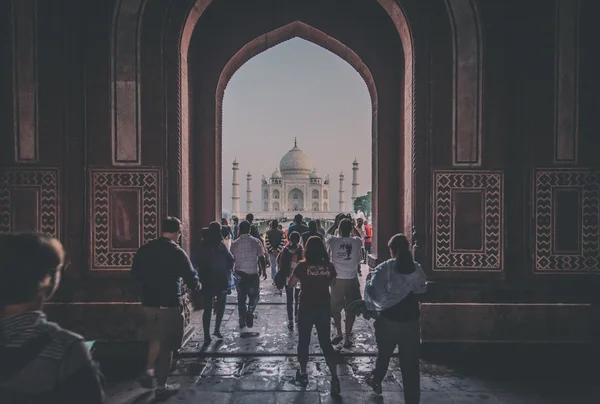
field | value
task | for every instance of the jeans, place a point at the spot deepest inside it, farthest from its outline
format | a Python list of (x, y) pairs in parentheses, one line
[(320, 317), (291, 295), (248, 290), (208, 306), (273, 262), (407, 336)]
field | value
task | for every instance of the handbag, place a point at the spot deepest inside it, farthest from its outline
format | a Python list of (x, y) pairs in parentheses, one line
[(280, 279)]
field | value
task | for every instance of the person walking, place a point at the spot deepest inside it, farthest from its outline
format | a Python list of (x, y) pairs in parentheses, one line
[(315, 273), (159, 266), (392, 290), (249, 255), (275, 241), (298, 225), (313, 230), (345, 256), (236, 227), (226, 232), (215, 264), (288, 259), (368, 238), (40, 362)]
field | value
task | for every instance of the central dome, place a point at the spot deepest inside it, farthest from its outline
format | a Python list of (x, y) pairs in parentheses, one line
[(295, 162)]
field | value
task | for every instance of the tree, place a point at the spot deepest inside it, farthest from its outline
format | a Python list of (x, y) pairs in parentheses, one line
[(363, 204)]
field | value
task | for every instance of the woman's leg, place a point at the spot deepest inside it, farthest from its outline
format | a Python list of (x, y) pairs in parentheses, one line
[(323, 326), (208, 304), (305, 325), (409, 344), (289, 299), (296, 294), (221, 301), (387, 338)]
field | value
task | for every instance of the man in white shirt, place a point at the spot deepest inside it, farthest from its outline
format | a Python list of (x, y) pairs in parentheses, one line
[(345, 253), (249, 254)]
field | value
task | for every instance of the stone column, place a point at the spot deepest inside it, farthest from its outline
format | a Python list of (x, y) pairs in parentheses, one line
[(235, 195), (342, 202), (248, 193), (354, 181)]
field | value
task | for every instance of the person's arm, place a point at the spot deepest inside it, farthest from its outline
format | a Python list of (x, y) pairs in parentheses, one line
[(281, 243), (187, 271), (268, 244), (137, 264), (81, 380), (296, 275), (336, 223)]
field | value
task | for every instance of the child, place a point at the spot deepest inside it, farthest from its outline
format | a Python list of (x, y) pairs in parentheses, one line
[(287, 260)]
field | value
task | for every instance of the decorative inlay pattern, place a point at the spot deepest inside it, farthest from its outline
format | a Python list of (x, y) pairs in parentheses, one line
[(588, 258), (491, 183), (46, 181), (105, 220)]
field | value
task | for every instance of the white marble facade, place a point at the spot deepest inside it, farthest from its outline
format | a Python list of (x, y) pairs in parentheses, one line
[(294, 187)]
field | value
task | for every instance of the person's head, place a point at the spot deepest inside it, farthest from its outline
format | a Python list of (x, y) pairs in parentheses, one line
[(345, 228), (298, 218), (213, 234), (359, 221), (280, 227), (315, 252), (294, 238), (235, 220), (319, 224), (250, 218), (366, 223), (312, 226), (274, 224), (224, 221), (400, 250), (245, 227), (171, 228), (30, 270)]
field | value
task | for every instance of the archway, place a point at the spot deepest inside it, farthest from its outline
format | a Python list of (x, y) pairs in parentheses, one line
[(387, 122), (295, 201)]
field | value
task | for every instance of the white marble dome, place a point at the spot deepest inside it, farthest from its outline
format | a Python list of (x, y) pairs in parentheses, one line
[(315, 174), (276, 174), (295, 162)]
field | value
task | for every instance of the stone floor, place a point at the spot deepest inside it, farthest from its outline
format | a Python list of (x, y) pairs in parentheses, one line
[(258, 366)]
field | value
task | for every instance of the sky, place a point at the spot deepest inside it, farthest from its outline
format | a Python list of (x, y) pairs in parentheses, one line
[(296, 89)]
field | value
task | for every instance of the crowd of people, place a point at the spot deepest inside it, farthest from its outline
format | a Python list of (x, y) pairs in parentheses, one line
[(318, 269)]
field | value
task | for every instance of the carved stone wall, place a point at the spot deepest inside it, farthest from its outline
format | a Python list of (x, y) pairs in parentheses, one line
[(124, 214), (469, 227), (29, 200), (567, 221)]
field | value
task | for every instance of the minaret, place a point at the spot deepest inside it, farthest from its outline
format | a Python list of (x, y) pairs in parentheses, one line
[(354, 181), (248, 192), (235, 194), (342, 202)]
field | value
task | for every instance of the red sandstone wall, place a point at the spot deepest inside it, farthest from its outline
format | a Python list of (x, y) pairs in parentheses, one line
[(518, 149)]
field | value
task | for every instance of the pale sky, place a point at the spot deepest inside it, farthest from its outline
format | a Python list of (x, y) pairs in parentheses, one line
[(296, 89)]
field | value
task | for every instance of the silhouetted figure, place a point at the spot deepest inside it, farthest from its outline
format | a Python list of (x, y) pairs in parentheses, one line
[(315, 273), (392, 290), (40, 362), (159, 266), (288, 260)]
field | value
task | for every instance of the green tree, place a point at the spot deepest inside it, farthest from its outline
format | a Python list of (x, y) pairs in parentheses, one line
[(363, 203)]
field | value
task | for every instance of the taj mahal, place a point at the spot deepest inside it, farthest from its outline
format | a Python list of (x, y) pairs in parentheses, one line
[(294, 187)]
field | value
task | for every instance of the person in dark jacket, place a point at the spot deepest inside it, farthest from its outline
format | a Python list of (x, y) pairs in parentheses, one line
[(214, 262), (275, 241), (298, 225), (40, 362), (287, 260), (313, 230), (159, 266), (226, 232)]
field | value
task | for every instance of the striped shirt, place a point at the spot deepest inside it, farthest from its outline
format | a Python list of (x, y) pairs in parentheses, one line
[(49, 365)]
